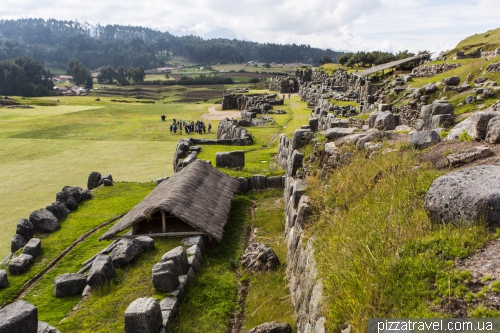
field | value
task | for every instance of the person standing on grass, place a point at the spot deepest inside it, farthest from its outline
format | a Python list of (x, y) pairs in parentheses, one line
[(171, 128), (289, 95), (175, 128), (283, 96), (162, 117), (209, 128)]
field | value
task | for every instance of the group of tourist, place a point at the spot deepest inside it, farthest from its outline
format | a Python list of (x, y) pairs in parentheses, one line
[(190, 127)]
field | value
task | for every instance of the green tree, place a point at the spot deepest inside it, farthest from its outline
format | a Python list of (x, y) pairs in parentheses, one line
[(107, 74), (81, 76), (137, 74), (326, 60)]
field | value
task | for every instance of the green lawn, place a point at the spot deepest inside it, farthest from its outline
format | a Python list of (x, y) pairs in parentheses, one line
[(47, 147)]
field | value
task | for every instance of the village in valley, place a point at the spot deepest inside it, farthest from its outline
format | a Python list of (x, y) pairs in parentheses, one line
[(159, 183)]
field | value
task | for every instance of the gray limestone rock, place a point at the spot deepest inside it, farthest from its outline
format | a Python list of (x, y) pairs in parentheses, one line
[(69, 284), (193, 240), (25, 228), (125, 252), (243, 184), (493, 130), (17, 242), (145, 243), (143, 315), (195, 264), (301, 137), (259, 257), (338, 132), (93, 180), (59, 210), (272, 327), (19, 317), (479, 124), (258, 182), (165, 276), (469, 99), (385, 121), (101, 272), (424, 139), (46, 328), (44, 221), (274, 182), (179, 257), (20, 264), (194, 250), (469, 155), (466, 196), (33, 247), (452, 81), (4, 282)]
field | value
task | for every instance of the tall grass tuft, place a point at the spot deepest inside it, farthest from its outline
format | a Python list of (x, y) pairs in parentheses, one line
[(377, 252)]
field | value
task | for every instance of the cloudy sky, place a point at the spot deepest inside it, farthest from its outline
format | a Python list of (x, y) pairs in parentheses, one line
[(346, 25)]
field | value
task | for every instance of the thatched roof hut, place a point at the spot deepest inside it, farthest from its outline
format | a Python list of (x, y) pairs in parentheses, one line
[(195, 199)]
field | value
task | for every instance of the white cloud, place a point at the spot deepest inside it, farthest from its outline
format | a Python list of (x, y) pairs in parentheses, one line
[(392, 25)]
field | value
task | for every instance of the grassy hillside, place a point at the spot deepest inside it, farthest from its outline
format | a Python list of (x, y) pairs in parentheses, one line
[(488, 41)]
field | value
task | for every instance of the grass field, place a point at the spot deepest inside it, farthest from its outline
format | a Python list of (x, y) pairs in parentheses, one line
[(47, 147)]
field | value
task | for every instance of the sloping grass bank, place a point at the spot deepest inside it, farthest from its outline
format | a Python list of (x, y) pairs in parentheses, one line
[(107, 203), (377, 252)]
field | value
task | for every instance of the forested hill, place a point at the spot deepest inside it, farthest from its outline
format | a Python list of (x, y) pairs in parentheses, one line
[(54, 42)]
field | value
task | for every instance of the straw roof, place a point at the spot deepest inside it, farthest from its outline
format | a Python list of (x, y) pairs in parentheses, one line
[(199, 194)]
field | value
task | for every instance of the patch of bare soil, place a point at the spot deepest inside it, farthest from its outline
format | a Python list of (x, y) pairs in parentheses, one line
[(436, 156), (191, 96), (486, 262), (213, 114)]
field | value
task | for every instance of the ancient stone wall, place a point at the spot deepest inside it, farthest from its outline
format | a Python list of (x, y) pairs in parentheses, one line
[(230, 130), (426, 70), (306, 288)]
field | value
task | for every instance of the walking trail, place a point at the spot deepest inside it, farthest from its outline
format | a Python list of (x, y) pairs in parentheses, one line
[(213, 114)]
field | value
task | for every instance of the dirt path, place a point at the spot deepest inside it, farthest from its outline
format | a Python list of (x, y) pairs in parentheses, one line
[(213, 114)]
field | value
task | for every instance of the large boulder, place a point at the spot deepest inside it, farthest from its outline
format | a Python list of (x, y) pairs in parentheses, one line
[(493, 130), (469, 155), (179, 257), (17, 242), (33, 247), (69, 284), (145, 243), (476, 126), (93, 180), (165, 276), (385, 121), (4, 282), (272, 327), (428, 115), (125, 252), (101, 272), (301, 137), (25, 228), (338, 132), (44, 221), (58, 209), (20, 264), (452, 81), (258, 182), (19, 317), (143, 315), (466, 196), (479, 124), (424, 139), (46, 328), (458, 129), (259, 257)]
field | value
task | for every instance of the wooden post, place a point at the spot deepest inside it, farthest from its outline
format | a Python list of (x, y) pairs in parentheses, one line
[(163, 221)]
